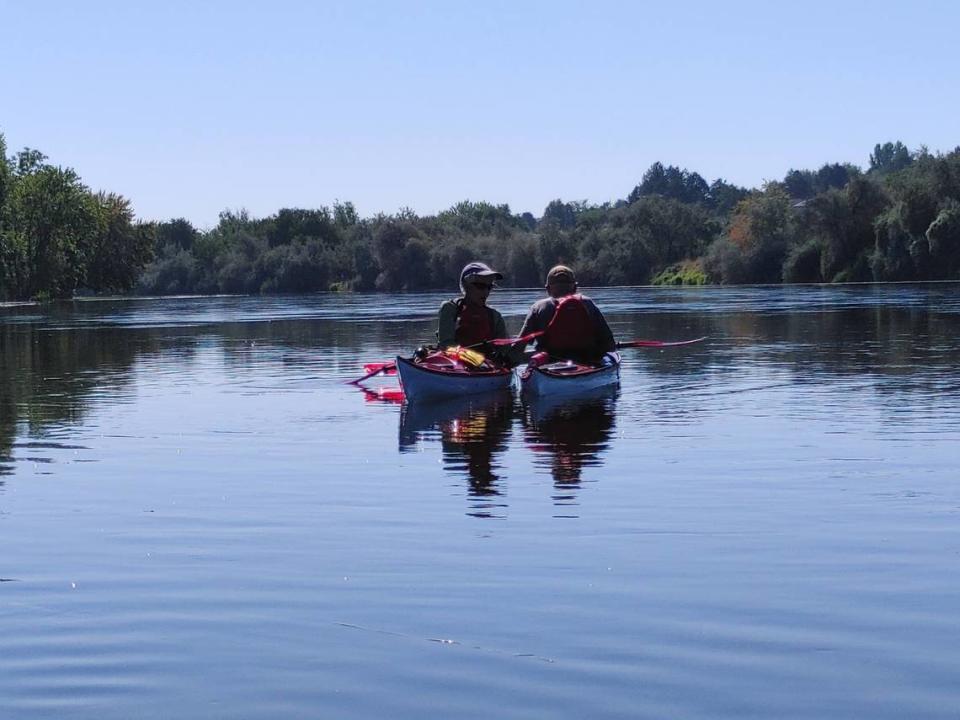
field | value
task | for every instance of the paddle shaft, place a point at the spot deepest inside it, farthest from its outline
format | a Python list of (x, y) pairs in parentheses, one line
[(500, 342), (657, 343), (385, 367)]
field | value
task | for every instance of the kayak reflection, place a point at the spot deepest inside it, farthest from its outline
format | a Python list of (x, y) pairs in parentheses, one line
[(568, 434), (473, 431)]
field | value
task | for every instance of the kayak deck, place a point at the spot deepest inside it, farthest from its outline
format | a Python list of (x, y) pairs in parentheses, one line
[(567, 377), (442, 376)]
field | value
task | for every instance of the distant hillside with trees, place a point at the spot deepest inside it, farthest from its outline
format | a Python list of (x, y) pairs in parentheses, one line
[(899, 219)]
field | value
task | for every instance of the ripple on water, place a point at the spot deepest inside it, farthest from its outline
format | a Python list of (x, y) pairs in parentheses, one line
[(198, 517)]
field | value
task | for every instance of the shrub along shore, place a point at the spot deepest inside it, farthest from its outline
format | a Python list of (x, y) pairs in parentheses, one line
[(897, 220)]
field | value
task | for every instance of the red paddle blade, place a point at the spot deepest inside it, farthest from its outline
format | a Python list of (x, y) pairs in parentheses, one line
[(387, 368), (375, 369), (384, 395)]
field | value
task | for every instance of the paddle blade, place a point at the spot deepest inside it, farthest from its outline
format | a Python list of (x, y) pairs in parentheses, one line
[(658, 343), (374, 369), (387, 368), (392, 396)]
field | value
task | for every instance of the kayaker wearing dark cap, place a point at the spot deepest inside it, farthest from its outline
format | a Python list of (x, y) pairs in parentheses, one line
[(467, 320), (573, 325)]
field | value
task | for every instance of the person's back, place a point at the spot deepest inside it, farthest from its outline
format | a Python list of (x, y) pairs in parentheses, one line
[(571, 323)]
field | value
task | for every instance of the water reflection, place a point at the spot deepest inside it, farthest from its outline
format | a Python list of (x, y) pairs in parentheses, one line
[(245, 504), (59, 361), (473, 433), (50, 379), (564, 437), (567, 435), (8, 426)]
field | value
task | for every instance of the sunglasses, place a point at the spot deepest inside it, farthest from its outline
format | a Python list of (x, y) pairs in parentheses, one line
[(481, 285)]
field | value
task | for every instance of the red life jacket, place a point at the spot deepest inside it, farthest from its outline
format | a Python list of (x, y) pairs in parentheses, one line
[(571, 330), (474, 324)]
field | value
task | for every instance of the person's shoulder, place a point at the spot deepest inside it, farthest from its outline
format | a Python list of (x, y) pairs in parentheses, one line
[(451, 304), (542, 303)]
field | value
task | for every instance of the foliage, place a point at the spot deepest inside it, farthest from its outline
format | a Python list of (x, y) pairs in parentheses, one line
[(900, 220), (671, 182), (943, 241), (803, 263), (834, 223), (119, 249), (843, 222), (56, 236), (689, 272), (56, 220), (761, 228), (889, 157), (725, 263)]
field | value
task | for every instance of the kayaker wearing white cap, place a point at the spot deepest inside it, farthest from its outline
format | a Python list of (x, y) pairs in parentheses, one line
[(467, 320)]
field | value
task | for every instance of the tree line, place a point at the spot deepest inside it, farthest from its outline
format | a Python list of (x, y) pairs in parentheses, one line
[(898, 219), (58, 237)]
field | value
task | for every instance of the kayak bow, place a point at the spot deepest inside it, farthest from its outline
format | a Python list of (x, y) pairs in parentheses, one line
[(439, 375)]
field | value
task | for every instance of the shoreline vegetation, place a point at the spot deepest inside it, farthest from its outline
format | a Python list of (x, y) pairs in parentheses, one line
[(897, 220)]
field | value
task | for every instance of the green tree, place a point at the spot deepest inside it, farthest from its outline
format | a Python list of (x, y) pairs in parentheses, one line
[(174, 236), (479, 218), (671, 182), (11, 261), (889, 158), (669, 229), (345, 214), (843, 220), (120, 248), (389, 243), (725, 262), (56, 217), (290, 224), (556, 247), (6, 179), (943, 241), (800, 184), (803, 263), (893, 257), (724, 196), (834, 176), (560, 214), (761, 228)]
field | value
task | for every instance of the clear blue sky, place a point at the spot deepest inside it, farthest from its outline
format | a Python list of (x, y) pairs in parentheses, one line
[(189, 108)]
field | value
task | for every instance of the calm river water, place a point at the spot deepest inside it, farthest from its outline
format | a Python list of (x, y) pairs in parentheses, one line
[(199, 519)]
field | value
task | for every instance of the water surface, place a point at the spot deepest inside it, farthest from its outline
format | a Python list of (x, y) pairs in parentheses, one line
[(199, 519)]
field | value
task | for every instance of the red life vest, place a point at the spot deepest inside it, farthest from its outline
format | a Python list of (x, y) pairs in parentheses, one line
[(571, 330), (474, 325)]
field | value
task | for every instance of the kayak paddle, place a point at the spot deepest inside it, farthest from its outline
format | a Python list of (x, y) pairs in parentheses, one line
[(525, 339), (375, 369), (657, 343)]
